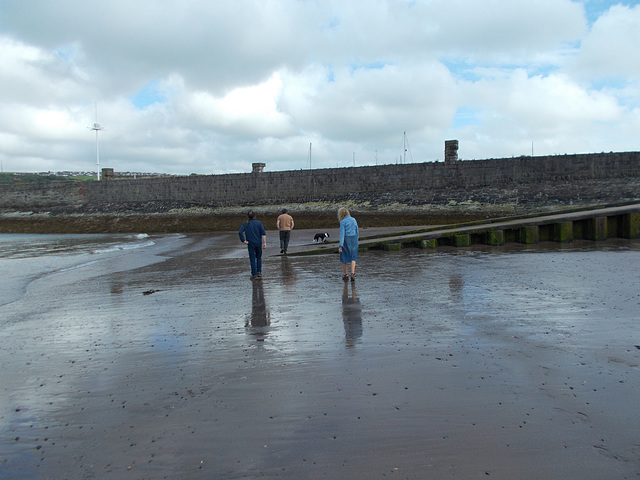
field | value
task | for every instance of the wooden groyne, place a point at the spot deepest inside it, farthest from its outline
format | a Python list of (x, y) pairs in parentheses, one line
[(595, 224)]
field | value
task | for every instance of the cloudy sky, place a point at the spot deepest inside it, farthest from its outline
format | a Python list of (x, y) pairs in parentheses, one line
[(211, 86)]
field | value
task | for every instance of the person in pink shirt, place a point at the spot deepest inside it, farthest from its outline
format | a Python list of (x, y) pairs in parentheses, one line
[(284, 223)]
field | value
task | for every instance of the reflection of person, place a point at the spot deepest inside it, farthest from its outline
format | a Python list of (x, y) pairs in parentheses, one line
[(288, 273), (259, 313), (284, 223), (455, 286), (348, 243), (253, 235), (352, 315), (259, 318)]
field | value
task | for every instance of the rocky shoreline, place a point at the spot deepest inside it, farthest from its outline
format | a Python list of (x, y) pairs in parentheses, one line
[(407, 210), (193, 219)]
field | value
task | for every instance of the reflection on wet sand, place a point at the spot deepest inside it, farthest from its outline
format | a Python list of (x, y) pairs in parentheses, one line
[(533, 350), (352, 315), (287, 271), (260, 317), (455, 286)]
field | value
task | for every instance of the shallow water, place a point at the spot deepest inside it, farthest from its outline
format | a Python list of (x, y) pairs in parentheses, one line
[(25, 257), (157, 357)]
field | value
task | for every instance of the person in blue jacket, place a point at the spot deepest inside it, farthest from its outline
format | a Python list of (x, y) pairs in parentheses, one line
[(348, 243), (253, 235)]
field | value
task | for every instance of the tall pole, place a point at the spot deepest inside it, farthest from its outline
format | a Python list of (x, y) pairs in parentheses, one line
[(97, 127), (404, 148), (97, 153)]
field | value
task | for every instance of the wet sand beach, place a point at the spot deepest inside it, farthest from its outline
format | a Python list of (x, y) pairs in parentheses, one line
[(158, 358)]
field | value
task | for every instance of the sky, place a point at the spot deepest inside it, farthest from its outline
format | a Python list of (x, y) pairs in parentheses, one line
[(212, 86)]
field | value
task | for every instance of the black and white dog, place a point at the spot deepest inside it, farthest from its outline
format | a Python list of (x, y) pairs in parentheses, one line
[(321, 238)]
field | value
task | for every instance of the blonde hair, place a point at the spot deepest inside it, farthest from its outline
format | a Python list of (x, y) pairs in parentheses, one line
[(343, 212)]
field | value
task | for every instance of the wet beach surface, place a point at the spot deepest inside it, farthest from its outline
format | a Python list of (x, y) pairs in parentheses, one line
[(157, 357)]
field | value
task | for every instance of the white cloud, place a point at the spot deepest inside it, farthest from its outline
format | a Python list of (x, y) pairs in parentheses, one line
[(546, 103), (612, 47), (504, 32), (247, 111), (210, 87), (368, 104)]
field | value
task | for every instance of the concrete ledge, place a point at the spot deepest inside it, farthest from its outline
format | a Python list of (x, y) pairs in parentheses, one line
[(529, 234), (597, 229), (431, 243), (463, 240), (563, 232), (596, 224), (495, 237), (631, 225)]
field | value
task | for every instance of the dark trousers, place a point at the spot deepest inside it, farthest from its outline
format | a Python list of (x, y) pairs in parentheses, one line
[(255, 258), (285, 235)]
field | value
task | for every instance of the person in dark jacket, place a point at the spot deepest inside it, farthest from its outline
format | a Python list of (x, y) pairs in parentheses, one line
[(253, 235)]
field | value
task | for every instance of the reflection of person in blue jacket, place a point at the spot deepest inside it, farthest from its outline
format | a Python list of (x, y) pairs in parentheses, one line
[(352, 315), (348, 243), (253, 235)]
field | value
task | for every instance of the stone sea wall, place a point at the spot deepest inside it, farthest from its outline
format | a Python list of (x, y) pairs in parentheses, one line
[(433, 192), (426, 182)]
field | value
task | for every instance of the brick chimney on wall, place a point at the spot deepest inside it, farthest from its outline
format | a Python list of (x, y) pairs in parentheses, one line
[(258, 167), (450, 151)]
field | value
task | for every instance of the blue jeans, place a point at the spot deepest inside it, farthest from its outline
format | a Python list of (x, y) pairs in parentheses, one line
[(255, 258)]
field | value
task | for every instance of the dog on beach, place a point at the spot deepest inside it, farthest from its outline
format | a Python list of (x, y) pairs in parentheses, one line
[(321, 238)]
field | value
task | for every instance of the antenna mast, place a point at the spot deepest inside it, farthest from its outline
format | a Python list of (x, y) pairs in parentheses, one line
[(97, 127), (404, 148)]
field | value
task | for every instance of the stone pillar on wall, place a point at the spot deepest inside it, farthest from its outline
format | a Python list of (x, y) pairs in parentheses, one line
[(107, 174), (258, 167), (450, 151)]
